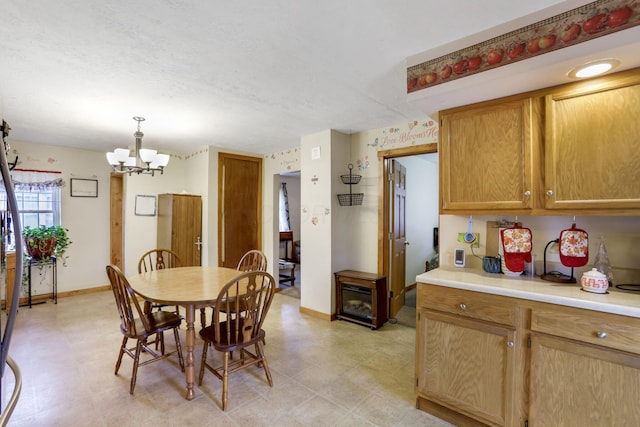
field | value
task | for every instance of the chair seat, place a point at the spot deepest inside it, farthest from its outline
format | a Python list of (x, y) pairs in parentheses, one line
[(226, 344), (159, 321)]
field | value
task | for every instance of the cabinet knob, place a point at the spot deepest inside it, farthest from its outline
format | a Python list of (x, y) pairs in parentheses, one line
[(510, 344), (527, 193), (601, 334), (549, 193), (463, 306)]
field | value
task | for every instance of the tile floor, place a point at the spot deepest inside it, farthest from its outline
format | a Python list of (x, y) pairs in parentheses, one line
[(325, 373)]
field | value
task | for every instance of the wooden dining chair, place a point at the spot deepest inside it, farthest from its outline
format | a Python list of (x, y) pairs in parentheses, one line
[(239, 313), (158, 259), (138, 325), (253, 260)]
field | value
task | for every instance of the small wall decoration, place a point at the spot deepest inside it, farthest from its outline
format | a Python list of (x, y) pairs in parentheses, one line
[(145, 205), (84, 187)]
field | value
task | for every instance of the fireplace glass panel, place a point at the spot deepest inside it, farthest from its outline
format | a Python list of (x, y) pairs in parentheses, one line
[(356, 301)]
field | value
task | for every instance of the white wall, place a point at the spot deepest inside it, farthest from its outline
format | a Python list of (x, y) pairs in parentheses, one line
[(316, 222), (198, 181), (622, 239), (86, 218), (140, 232)]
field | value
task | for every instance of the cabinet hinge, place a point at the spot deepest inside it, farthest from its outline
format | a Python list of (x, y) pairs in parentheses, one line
[(390, 177), (390, 235), (529, 342)]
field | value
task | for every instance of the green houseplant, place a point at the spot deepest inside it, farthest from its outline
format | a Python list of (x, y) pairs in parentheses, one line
[(44, 242)]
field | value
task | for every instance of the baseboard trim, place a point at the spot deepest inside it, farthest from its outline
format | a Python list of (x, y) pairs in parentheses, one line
[(314, 313), (44, 297), (408, 288)]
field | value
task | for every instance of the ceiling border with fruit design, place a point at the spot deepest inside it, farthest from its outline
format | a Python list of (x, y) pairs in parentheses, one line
[(578, 25)]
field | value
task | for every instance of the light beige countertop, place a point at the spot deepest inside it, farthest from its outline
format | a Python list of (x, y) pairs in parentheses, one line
[(525, 287)]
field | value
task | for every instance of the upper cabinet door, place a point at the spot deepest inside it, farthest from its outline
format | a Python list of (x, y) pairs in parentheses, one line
[(486, 157), (592, 147)]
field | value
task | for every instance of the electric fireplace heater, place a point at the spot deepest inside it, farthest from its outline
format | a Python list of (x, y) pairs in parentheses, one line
[(361, 298)]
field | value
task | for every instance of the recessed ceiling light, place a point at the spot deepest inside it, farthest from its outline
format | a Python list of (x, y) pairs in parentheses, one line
[(594, 68)]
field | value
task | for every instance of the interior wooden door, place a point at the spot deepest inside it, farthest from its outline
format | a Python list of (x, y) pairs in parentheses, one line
[(187, 227), (399, 236), (116, 220), (180, 226), (239, 207)]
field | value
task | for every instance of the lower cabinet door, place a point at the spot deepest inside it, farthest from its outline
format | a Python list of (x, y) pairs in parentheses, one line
[(466, 365), (575, 384)]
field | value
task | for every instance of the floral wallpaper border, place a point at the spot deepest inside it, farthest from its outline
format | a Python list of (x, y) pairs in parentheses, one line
[(578, 25)]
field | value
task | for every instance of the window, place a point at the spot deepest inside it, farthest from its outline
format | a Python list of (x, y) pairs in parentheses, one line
[(38, 195)]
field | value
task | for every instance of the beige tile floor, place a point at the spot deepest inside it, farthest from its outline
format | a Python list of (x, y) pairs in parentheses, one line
[(324, 373)]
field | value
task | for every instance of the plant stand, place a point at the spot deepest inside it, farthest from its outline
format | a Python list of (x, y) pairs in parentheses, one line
[(53, 263)]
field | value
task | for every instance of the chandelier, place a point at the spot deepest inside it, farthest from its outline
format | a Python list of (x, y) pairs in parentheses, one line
[(144, 160)]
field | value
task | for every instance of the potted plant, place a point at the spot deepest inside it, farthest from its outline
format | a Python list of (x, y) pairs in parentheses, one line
[(44, 242)]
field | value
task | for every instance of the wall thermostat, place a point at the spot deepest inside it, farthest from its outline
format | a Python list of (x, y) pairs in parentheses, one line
[(458, 259)]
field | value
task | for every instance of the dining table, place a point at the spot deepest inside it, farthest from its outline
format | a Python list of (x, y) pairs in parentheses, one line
[(190, 287)]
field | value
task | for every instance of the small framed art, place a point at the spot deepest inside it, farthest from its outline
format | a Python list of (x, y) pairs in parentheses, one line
[(84, 187), (145, 205)]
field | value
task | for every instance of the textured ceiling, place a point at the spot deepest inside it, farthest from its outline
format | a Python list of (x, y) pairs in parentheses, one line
[(249, 75)]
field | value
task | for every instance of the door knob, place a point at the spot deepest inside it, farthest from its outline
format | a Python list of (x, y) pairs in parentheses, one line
[(406, 243)]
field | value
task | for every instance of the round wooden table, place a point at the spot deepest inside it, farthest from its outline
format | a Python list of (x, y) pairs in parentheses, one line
[(189, 287)]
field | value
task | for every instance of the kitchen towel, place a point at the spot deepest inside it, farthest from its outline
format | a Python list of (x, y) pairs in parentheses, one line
[(517, 243)]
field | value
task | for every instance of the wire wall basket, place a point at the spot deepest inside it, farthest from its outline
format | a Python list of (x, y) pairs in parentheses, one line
[(351, 199), (350, 179)]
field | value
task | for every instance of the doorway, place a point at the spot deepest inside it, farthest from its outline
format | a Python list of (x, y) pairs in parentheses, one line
[(399, 282), (290, 242)]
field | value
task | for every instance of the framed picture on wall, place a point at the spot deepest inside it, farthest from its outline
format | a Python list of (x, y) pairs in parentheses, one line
[(145, 205), (84, 187)]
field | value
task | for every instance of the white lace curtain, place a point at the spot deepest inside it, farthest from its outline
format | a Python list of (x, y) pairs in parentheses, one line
[(29, 179)]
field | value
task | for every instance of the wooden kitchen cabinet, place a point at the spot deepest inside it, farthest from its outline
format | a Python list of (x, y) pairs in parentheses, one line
[(486, 156), (180, 226), (469, 357), (592, 151), (584, 367), (486, 359), (565, 150)]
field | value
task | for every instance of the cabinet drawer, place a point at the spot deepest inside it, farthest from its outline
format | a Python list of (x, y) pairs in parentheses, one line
[(476, 305), (608, 330)]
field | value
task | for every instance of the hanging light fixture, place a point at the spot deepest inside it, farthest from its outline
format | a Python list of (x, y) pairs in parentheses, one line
[(144, 160)]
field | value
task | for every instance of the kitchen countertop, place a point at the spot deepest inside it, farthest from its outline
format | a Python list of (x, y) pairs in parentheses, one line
[(526, 287)]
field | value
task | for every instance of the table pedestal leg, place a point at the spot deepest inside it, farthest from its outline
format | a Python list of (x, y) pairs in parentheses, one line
[(191, 338)]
